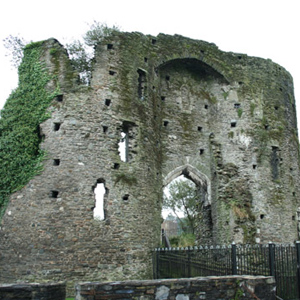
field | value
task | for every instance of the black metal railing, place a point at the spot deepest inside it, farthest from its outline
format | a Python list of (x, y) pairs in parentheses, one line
[(279, 260)]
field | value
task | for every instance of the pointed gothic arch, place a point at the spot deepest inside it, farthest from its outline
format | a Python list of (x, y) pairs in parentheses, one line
[(194, 175)]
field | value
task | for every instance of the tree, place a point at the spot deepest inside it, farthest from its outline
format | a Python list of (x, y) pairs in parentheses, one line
[(183, 197), (15, 46), (81, 53)]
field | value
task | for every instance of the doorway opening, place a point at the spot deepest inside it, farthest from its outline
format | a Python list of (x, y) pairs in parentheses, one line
[(186, 208)]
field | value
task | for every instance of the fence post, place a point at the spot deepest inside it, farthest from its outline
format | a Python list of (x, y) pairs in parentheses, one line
[(272, 258), (233, 259), (157, 264), (298, 266), (189, 262)]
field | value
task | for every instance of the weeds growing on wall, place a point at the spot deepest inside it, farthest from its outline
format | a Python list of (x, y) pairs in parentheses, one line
[(24, 110)]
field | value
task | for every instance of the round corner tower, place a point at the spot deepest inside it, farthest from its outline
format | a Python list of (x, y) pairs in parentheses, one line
[(225, 121)]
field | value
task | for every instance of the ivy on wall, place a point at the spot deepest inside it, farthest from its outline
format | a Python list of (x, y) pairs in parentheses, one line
[(24, 110)]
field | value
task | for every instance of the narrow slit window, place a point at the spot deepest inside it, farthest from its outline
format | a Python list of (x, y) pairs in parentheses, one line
[(206, 106), (100, 192), (142, 84), (127, 145), (201, 151), (123, 147)]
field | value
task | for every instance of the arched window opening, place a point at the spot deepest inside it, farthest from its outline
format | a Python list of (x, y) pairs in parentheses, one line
[(101, 193)]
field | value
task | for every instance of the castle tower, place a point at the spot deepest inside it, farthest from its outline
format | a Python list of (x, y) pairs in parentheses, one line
[(226, 121)]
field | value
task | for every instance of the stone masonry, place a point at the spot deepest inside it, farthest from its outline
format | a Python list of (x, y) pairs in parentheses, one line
[(226, 121), (208, 288)]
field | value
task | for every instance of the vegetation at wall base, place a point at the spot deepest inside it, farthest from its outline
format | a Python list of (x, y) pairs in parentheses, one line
[(25, 109), (183, 240)]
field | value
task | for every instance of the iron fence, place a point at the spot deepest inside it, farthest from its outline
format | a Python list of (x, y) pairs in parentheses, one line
[(279, 260)]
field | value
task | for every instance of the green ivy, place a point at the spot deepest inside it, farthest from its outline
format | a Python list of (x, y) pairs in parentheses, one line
[(20, 155)]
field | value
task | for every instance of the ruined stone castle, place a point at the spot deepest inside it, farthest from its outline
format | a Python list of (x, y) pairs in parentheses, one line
[(226, 121)]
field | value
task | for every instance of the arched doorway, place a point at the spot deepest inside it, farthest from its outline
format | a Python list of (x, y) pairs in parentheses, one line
[(200, 216)]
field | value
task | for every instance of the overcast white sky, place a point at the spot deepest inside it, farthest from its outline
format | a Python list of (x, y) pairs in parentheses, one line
[(263, 28)]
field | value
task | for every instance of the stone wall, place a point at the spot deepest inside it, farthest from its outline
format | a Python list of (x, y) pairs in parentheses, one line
[(226, 121), (33, 291), (209, 288)]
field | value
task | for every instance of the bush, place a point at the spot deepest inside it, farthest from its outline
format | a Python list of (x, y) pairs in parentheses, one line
[(183, 240)]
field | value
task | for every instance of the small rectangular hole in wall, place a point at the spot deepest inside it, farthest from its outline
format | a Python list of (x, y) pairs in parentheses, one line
[(254, 167), (153, 41), (206, 106), (199, 128), (167, 77), (266, 127), (163, 98), (54, 194), (59, 98), (110, 46), (145, 59), (116, 166), (237, 105), (105, 128), (276, 107), (56, 126), (125, 197), (293, 218), (233, 124), (56, 162), (166, 123), (262, 216), (201, 151), (294, 194), (112, 73), (107, 102)]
